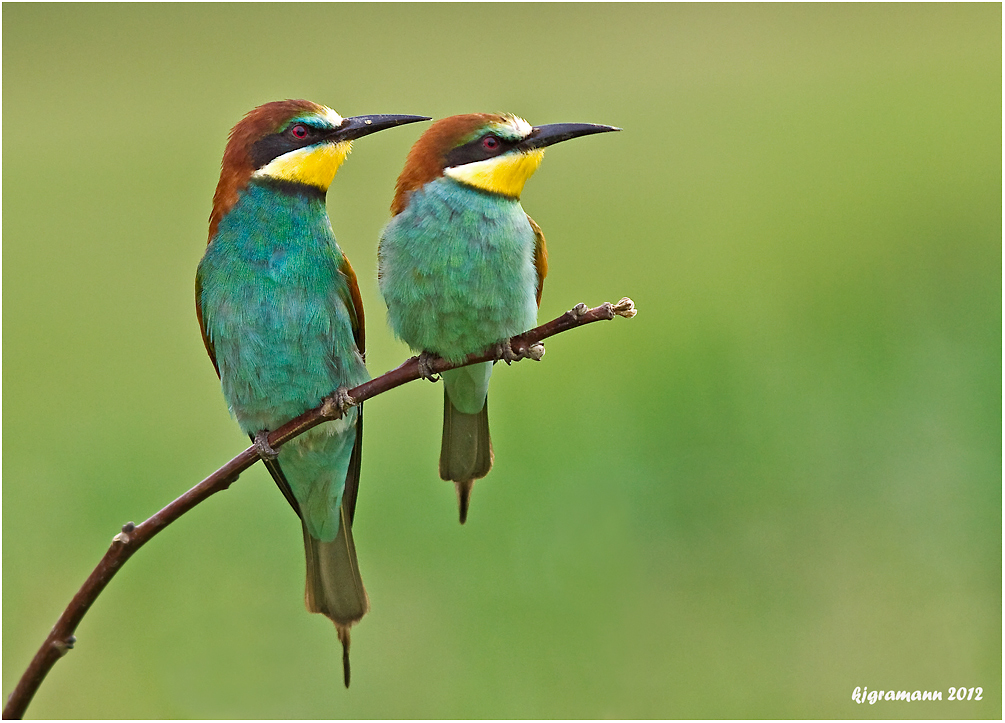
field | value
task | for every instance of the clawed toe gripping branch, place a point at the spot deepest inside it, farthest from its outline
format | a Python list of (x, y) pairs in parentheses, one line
[(262, 446), (425, 361), (61, 639)]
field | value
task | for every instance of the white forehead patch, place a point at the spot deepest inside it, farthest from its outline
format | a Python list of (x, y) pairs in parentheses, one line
[(323, 116), (520, 127), (331, 116)]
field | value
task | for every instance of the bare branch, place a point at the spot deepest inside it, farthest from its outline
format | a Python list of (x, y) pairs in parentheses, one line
[(132, 537)]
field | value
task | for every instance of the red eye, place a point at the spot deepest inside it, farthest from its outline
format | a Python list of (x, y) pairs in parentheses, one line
[(490, 143), (299, 131)]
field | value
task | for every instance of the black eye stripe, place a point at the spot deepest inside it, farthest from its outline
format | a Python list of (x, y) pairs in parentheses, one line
[(474, 151), (271, 147)]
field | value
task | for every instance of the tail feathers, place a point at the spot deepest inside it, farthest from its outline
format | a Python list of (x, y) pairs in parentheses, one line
[(466, 450), (464, 497), (334, 586)]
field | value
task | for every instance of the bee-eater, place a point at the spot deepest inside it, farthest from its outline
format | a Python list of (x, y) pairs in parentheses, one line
[(462, 265), (282, 320)]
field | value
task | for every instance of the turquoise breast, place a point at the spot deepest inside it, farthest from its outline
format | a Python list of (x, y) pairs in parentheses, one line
[(274, 304), (457, 269)]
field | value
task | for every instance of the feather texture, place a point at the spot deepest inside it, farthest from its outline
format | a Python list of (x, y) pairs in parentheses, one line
[(461, 270), (282, 320)]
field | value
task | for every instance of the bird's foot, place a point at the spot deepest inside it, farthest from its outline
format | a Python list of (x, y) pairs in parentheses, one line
[(426, 367), (262, 446), (342, 400), (336, 404), (504, 351)]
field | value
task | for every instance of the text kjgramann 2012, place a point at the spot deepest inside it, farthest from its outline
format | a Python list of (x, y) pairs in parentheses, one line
[(864, 695)]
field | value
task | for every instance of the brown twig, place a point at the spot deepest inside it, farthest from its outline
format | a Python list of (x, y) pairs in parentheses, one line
[(132, 537)]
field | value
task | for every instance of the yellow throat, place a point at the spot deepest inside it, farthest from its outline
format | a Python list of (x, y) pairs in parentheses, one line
[(314, 165), (505, 174)]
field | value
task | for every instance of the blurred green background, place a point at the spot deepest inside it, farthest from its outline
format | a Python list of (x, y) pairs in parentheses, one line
[(780, 481)]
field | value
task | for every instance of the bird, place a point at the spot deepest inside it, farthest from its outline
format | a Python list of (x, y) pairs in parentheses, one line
[(282, 319), (461, 265)]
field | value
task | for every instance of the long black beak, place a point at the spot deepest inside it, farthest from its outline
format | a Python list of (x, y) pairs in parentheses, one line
[(552, 133), (363, 125)]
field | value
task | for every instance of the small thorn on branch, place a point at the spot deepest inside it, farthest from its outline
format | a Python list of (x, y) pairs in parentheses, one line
[(123, 537), (65, 645)]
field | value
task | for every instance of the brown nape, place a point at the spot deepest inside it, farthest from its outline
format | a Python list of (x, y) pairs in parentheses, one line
[(425, 160), (237, 167)]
